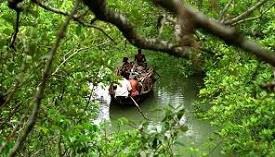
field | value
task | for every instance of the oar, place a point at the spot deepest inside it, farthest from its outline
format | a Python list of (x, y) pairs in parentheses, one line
[(157, 74), (139, 110)]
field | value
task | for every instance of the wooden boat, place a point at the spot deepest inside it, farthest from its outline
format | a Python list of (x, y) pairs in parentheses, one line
[(146, 79)]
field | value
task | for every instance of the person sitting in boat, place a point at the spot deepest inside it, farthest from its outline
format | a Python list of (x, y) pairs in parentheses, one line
[(135, 86), (124, 88), (126, 66), (140, 58)]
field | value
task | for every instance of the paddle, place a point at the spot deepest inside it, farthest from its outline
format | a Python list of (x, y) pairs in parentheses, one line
[(139, 110)]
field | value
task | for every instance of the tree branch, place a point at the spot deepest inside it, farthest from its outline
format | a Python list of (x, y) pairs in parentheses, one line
[(40, 89), (13, 133), (10, 115), (17, 6), (245, 20), (99, 8), (253, 18), (16, 30), (227, 34), (75, 18), (246, 13), (225, 9), (67, 58)]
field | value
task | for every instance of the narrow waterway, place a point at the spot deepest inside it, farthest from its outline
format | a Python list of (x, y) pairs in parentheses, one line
[(174, 91)]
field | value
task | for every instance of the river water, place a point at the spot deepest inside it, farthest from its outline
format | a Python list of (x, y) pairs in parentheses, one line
[(174, 91)]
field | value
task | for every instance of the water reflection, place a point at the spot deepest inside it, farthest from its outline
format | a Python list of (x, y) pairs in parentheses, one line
[(172, 91)]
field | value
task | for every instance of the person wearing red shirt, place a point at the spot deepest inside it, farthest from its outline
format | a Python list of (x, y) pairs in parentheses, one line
[(135, 86)]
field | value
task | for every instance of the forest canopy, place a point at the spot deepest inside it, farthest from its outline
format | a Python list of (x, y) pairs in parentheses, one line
[(51, 49)]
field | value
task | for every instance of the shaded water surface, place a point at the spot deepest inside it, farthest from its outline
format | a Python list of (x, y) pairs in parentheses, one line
[(174, 91)]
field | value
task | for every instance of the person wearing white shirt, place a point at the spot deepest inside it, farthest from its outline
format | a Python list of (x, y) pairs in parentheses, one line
[(123, 88)]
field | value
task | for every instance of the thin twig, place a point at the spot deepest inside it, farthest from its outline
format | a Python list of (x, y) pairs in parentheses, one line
[(12, 134), (40, 89), (75, 18), (246, 13), (214, 148), (59, 148), (66, 59), (11, 114), (245, 20), (225, 10), (16, 30), (270, 7), (253, 18)]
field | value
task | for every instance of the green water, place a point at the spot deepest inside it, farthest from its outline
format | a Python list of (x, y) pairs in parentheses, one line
[(174, 91)]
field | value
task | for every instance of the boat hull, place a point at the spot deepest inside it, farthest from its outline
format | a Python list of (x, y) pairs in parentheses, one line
[(127, 101), (146, 80)]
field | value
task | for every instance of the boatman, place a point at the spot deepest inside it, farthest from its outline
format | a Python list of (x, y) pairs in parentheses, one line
[(140, 58)]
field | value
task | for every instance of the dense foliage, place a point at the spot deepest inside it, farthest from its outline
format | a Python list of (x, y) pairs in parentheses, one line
[(65, 124), (232, 99)]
